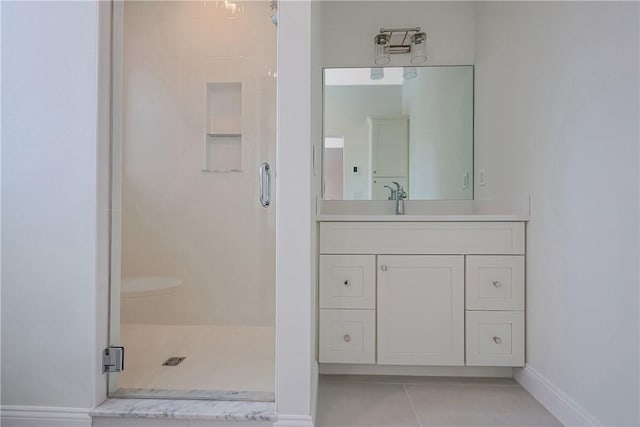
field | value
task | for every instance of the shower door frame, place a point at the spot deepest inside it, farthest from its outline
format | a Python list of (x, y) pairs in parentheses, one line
[(116, 97), (116, 24)]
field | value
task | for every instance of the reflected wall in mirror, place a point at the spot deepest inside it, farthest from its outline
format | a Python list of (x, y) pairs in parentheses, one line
[(410, 125)]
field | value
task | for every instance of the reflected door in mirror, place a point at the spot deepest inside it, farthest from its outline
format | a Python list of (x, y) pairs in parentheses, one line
[(389, 155)]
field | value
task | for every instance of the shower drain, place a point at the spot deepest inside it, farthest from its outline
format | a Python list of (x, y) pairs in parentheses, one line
[(173, 361)]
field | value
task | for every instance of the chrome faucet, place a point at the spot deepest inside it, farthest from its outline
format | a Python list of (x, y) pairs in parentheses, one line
[(393, 192), (400, 196)]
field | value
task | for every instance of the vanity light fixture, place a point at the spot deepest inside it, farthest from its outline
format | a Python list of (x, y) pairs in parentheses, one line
[(400, 40), (376, 73), (382, 48), (409, 73)]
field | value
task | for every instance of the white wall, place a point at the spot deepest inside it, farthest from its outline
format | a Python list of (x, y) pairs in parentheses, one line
[(315, 99), (206, 228), (53, 210), (347, 37), (1, 104), (346, 109), (296, 375), (557, 117)]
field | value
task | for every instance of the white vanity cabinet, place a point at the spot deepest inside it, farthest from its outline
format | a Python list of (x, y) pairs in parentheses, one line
[(422, 293)]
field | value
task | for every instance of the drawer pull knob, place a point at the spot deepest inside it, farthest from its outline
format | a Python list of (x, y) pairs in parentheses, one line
[(497, 340), (497, 284), (347, 338), (383, 268), (347, 283)]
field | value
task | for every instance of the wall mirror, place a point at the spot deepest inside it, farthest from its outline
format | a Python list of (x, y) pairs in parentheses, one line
[(407, 125)]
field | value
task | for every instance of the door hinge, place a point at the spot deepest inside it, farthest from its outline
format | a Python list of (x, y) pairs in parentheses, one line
[(113, 359)]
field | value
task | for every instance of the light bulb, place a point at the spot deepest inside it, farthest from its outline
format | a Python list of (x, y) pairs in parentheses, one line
[(377, 73), (418, 48), (409, 73)]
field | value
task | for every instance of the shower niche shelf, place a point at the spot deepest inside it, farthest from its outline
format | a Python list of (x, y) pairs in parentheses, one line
[(224, 135), (223, 138)]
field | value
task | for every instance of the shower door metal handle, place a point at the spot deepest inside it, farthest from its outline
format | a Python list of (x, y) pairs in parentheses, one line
[(265, 185)]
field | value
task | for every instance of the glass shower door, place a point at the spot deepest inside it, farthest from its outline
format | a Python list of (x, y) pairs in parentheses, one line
[(193, 228)]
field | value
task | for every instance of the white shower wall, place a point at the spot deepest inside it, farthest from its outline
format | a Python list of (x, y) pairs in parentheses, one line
[(177, 221)]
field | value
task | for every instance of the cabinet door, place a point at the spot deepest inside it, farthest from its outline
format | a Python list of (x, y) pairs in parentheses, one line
[(421, 310), (390, 147)]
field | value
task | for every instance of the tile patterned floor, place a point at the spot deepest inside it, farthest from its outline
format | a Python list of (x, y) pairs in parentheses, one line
[(352, 401)]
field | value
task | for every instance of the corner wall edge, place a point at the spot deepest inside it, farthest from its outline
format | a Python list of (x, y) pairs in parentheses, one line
[(561, 406)]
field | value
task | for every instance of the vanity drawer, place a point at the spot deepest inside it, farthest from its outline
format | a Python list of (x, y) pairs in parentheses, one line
[(495, 338), (494, 282), (347, 281), (425, 238), (347, 336)]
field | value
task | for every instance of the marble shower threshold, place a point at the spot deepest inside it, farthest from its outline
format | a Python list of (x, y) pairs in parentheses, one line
[(212, 410), (224, 395)]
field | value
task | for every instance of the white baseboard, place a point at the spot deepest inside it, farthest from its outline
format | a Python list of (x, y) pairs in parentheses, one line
[(565, 409), (315, 372), (429, 371), (293, 421), (37, 416)]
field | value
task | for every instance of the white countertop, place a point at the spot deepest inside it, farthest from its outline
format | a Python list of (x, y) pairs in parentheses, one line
[(425, 210), (421, 218)]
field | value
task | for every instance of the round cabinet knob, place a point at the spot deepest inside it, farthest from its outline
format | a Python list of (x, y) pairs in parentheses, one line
[(347, 338), (496, 284), (347, 283), (497, 340), (383, 267)]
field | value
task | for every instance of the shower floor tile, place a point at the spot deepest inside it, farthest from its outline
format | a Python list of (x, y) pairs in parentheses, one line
[(217, 358)]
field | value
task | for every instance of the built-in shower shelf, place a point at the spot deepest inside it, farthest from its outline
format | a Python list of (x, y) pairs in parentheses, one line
[(224, 135), (220, 170)]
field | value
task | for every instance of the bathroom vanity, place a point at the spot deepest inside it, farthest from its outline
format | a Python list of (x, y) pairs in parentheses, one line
[(429, 290), (440, 285)]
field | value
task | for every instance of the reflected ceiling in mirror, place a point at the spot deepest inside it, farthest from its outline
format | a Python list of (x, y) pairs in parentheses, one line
[(398, 126)]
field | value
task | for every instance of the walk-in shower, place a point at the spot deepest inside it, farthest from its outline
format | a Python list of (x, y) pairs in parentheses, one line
[(193, 241)]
